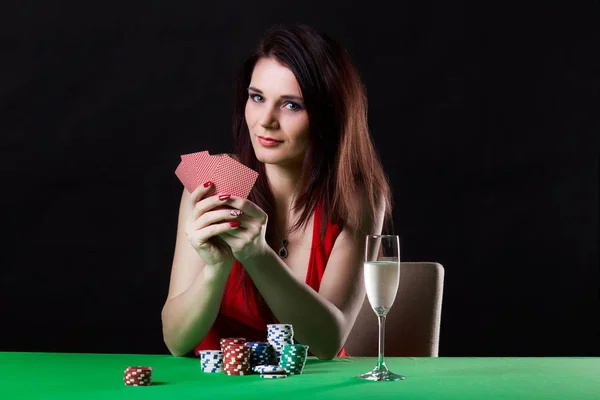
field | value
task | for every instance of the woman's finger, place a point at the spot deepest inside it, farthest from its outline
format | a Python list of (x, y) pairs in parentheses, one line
[(200, 237), (201, 191), (215, 201), (217, 216), (245, 205)]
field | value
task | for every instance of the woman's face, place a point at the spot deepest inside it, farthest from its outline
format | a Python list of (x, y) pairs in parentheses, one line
[(275, 114)]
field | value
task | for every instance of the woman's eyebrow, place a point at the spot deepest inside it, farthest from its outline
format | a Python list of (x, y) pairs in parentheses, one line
[(284, 97)]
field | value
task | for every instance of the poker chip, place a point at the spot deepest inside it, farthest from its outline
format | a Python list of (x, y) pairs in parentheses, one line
[(269, 369), (273, 376), (138, 376)]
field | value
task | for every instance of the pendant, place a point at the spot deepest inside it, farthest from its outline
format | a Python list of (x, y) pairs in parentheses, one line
[(283, 253)]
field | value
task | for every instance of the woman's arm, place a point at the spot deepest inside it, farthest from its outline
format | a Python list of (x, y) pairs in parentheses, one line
[(195, 289), (321, 320)]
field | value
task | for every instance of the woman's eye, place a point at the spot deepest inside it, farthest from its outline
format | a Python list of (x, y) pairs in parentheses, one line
[(292, 106), (256, 97)]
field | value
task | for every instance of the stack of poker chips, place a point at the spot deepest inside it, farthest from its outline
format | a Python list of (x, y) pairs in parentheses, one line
[(236, 359), (211, 360), (138, 376), (293, 358), (279, 335), (261, 354)]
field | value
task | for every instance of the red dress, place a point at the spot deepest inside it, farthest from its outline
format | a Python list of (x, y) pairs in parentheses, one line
[(241, 316)]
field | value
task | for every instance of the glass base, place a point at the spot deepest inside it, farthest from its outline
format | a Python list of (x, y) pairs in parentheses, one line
[(382, 375)]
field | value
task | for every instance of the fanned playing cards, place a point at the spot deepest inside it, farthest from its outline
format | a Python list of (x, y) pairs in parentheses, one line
[(228, 175)]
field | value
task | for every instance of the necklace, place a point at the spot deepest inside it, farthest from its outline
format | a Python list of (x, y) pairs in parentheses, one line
[(283, 251)]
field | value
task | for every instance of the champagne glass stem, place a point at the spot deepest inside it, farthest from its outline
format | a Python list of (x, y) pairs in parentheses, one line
[(381, 360)]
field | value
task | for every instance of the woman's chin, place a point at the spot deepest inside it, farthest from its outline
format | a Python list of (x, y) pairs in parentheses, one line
[(268, 158)]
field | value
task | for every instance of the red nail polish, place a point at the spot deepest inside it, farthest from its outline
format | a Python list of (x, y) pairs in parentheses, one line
[(224, 196), (235, 224), (207, 183)]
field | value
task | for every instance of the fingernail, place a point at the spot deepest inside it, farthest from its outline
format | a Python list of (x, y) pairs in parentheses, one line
[(224, 196), (207, 183), (235, 224), (235, 213)]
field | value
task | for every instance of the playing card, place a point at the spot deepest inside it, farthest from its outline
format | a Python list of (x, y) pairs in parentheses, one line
[(233, 177), (182, 175), (227, 174), (185, 169), (188, 159), (196, 168)]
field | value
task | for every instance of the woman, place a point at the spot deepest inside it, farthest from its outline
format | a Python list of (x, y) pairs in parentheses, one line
[(293, 251)]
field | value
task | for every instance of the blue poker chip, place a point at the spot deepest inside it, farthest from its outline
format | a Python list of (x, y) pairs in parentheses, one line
[(273, 376), (212, 357), (212, 365), (268, 369)]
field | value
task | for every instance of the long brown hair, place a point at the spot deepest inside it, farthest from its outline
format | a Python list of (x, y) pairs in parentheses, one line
[(341, 162)]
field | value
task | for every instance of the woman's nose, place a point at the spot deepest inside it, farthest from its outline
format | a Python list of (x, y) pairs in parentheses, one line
[(268, 120)]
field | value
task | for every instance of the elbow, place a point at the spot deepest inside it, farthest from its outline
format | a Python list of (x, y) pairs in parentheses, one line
[(175, 349), (329, 349), (171, 341), (326, 355), (177, 353)]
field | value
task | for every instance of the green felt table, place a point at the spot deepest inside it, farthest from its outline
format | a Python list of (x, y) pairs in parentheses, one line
[(100, 376)]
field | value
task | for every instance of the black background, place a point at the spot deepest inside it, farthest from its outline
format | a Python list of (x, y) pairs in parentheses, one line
[(485, 118)]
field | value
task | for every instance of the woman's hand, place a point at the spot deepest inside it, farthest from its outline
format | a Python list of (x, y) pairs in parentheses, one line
[(248, 240), (208, 220)]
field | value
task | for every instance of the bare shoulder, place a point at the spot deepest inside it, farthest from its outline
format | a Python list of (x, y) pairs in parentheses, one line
[(371, 213)]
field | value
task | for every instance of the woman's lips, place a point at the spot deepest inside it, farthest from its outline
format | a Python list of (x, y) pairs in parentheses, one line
[(268, 142)]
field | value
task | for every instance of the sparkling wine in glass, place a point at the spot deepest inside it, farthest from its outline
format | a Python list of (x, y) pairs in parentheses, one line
[(382, 277)]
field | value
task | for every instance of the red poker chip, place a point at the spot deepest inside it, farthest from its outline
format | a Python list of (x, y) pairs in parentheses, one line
[(238, 363), (240, 368), (228, 342), (139, 368), (235, 349), (237, 368), (240, 373), (236, 354), (138, 378), (233, 339), (236, 359)]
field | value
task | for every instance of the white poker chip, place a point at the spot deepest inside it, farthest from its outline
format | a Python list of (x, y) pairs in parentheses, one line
[(269, 369), (273, 376)]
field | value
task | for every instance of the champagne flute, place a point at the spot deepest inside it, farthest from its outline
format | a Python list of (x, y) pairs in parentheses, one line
[(382, 277)]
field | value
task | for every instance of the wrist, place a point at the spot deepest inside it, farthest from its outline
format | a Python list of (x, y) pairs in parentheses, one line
[(216, 274), (259, 257)]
